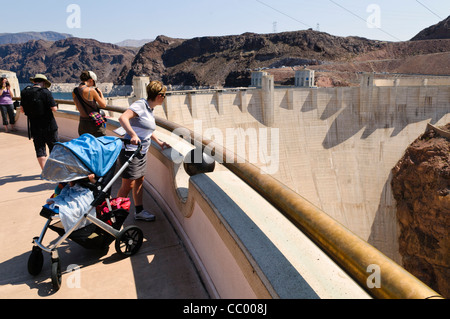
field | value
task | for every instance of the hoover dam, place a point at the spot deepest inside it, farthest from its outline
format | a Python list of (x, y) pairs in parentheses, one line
[(335, 147)]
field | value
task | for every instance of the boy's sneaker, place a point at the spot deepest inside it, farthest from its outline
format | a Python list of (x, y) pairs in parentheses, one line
[(145, 216)]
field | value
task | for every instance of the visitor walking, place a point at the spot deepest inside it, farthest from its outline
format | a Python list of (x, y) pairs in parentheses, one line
[(38, 105)]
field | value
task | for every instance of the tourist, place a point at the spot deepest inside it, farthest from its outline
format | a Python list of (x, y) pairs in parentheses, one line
[(139, 123), (6, 105), (89, 100), (38, 105)]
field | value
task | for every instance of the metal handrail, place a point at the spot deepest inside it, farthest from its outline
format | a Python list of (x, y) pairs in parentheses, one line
[(350, 252)]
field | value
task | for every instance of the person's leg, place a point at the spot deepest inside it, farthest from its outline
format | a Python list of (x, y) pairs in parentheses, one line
[(50, 139), (42, 160), (4, 117), (125, 188), (12, 120), (138, 191), (39, 147), (138, 194)]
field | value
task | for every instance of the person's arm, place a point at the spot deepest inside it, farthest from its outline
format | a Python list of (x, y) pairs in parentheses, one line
[(99, 98), (124, 120), (10, 91), (51, 101), (160, 143)]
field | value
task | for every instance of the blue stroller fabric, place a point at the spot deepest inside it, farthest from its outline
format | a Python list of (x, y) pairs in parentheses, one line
[(98, 154), (78, 158)]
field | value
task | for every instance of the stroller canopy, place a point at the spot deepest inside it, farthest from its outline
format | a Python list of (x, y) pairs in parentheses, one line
[(80, 157)]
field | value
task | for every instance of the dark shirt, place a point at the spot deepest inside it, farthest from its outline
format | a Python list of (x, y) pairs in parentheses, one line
[(47, 121)]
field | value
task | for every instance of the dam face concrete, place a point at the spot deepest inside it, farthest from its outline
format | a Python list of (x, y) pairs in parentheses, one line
[(333, 146)]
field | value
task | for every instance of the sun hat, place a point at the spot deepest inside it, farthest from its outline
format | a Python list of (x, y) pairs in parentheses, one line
[(41, 77)]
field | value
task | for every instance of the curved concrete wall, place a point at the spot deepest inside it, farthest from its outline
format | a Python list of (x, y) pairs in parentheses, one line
[(336, 146)]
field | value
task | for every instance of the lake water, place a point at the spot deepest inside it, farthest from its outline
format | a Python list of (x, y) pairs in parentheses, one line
[(62, 96)]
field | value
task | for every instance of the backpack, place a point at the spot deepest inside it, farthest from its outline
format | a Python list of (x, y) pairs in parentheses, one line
[(32, 103)]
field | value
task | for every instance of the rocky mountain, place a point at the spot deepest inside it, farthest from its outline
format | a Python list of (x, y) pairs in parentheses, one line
[(227, 60), (23, 37), (440, 30), (64, 60), (421, 187)]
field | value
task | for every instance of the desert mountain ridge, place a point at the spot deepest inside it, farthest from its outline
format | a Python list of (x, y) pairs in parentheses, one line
[(227, 61)]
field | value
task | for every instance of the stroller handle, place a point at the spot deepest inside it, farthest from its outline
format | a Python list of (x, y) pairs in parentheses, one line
[(128, 141)]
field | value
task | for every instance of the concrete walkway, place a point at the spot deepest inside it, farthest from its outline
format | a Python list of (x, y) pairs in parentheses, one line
[(161, 268)]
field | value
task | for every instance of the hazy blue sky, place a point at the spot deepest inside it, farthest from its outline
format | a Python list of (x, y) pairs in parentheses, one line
[(114, 21)]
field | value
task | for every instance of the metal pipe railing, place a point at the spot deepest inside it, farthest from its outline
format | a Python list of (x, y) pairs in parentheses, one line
[(351, 253)]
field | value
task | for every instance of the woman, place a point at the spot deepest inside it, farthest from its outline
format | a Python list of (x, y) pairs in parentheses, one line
[(89, 99), (6, 104), (139, 123)]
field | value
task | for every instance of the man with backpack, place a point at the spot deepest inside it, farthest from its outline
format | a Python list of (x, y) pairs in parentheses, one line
[(38, 105)]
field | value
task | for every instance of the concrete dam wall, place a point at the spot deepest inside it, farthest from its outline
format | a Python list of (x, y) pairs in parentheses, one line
[(333, 146)]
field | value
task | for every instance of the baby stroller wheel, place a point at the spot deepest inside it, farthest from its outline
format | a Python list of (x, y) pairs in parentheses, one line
[(56, 274), (35, 261), (129, 241)]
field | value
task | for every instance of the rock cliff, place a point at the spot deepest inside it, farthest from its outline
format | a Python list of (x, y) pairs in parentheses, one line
[(421, 187)]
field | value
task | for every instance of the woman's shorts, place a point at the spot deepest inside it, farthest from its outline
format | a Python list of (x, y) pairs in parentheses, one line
[(137, 167)]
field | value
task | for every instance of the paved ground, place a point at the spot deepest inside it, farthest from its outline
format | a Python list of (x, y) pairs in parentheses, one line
[(161, 269)]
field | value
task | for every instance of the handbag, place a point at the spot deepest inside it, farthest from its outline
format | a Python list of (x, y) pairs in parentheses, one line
[(97, 116)]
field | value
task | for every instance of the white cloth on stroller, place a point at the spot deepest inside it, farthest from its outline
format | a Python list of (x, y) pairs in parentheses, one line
[(73, 202)]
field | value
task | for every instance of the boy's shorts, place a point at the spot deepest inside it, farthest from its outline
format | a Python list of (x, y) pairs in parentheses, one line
[(48, 138)]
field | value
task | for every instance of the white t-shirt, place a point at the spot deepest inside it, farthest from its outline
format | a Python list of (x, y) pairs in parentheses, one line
[(143, 124)]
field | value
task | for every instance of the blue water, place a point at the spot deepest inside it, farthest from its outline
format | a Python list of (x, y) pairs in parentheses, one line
[(62, 96)]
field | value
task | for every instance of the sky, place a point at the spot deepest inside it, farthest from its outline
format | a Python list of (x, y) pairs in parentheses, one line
[(113, 21)]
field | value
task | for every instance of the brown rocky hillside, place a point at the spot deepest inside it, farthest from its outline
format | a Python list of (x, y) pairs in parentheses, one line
[(64, 60), (421, 187)]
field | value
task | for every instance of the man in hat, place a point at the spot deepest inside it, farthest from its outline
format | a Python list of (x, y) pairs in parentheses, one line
[(38, 105)]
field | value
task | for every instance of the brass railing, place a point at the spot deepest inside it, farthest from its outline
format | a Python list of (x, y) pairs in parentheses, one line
[(351, 253)]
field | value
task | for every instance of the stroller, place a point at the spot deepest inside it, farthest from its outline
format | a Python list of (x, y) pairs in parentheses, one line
[(74, 161)]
